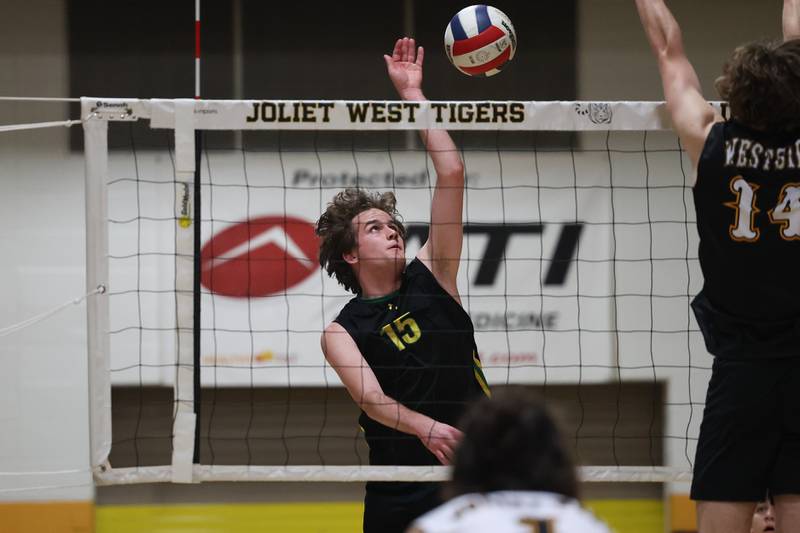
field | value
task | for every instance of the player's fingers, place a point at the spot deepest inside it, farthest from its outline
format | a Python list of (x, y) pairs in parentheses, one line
[(456, 434), (398, 49), (447, 451), (420, 55), (442, 458), (407, 50)]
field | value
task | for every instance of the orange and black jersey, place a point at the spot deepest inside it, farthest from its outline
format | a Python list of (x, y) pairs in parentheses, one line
[(420, 343), (747, 200)]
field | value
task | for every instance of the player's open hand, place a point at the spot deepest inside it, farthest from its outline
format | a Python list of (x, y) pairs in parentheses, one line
[(405, 68), (442, 440)]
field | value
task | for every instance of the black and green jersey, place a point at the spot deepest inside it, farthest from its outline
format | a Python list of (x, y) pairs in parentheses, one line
[(420, 343)]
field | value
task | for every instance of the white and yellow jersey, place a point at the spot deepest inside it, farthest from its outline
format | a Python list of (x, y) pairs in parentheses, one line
[(509, 512)]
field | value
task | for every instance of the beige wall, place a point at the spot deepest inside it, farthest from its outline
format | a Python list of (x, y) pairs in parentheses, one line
[(615, 62), (33, 63)]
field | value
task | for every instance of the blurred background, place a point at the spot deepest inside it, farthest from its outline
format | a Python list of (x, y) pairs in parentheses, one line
[(568, 50)]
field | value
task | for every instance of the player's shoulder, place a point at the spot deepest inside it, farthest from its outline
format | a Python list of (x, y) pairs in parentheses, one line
[(448, 516), (350, 308), (343, 321), (416, 268), (333, 328), (418, 278), (504, 511)]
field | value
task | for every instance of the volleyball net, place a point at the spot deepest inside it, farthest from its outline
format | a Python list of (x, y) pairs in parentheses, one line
[(578, 266)]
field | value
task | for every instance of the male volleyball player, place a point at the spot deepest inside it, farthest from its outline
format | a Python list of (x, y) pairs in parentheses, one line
[(747, 199), (403, 347), (511, 472)]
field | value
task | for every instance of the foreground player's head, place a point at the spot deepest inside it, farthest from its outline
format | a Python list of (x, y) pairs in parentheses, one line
[(764, 517), (359, 232), (511, 442), (760, 82)]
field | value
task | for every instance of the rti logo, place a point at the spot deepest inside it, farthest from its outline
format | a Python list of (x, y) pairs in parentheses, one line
[(499, 236), (271, 254), (259, 257)]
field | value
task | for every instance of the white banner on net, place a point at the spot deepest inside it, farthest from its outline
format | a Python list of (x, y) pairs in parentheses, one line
[(265, 300), (389, 115)]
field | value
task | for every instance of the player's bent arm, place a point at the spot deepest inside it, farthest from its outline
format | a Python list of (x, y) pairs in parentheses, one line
[(692, 116), (791, 19), (343, 355)]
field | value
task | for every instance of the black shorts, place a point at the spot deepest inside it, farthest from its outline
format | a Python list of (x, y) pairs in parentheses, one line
[(390, 507), (750, 435)]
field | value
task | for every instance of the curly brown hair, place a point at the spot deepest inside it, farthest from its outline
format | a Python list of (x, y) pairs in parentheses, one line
[(761, 81), (338, 236), (512, 442)]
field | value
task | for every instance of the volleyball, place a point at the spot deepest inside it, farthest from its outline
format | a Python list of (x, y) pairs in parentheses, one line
[(480, 40)]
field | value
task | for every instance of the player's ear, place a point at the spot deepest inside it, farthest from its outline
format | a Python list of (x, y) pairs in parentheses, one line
[(350, 257)]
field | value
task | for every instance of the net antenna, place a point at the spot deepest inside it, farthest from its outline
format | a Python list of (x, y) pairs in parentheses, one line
[(608, 197)]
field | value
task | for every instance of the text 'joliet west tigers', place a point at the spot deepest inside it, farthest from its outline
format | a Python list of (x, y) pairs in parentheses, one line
[(389, 112)]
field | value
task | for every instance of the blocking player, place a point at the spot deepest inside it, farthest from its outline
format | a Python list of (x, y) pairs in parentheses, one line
[(747, 199)]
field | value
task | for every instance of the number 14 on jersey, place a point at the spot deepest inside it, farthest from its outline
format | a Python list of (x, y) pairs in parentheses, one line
[(786, 212)]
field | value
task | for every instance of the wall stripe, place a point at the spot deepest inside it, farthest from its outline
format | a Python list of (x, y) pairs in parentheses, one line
[(623, 515), (231, 518), (630, 516), (47, 517), (682, 513)]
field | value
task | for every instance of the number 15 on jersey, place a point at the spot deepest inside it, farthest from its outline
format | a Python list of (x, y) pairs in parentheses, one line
[(402, 331)]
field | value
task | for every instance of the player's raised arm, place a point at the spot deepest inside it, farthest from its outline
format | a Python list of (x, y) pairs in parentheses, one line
[(344, 356), (442, 252), (791, 19), (692, 116)]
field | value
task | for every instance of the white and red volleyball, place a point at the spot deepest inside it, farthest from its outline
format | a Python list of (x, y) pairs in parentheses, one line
[(480, 40)]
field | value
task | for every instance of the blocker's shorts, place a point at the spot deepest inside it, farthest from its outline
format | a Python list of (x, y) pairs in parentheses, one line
[(750, 435)]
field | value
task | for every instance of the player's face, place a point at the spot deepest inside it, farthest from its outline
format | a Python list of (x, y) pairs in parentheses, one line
[(763, 518), (378, 240)]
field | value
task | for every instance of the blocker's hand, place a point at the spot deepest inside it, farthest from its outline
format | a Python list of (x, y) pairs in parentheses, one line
[(405, 68), (442, 439)]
